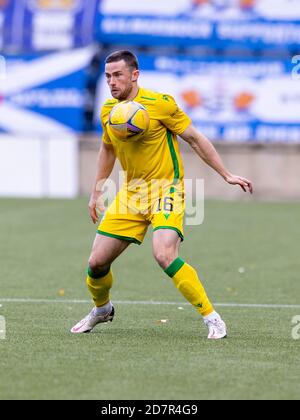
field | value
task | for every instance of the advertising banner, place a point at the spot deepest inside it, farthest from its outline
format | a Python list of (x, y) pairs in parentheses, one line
[(43, 25), (217, 23), (44, 94), (230, 100), (58, 24), (6, 17)]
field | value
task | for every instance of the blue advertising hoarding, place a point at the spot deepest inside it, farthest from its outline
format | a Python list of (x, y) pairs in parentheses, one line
[(45, 93), (228, 100), (6, 20), (58, 24), (215, 23), (42, 25)]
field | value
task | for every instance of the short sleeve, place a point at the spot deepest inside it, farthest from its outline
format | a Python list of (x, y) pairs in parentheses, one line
[(104, 120), (172, 116), (105, 136)]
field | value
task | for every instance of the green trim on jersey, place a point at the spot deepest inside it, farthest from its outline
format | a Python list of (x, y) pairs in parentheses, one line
[(149, 99), (108, 103), (124, 238), (174, 267), (174, 157)]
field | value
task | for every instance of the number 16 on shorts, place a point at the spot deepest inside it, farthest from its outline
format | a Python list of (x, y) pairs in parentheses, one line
[(2, 328)]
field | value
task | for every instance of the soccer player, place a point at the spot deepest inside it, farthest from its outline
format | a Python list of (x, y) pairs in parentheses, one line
[(155, 157)]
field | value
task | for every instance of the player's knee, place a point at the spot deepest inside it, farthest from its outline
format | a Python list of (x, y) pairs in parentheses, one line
[(97, 265), (164, 258)]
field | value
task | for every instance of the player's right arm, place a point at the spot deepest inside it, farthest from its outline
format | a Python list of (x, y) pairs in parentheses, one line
[(105, 163)]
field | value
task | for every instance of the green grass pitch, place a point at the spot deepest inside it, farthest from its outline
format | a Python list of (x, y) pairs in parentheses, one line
[(44, 248)]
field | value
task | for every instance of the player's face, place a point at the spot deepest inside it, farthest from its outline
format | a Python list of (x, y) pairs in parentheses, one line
[(120, 79)]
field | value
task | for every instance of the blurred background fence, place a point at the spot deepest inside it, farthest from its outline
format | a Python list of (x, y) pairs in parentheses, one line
[(232, 65)]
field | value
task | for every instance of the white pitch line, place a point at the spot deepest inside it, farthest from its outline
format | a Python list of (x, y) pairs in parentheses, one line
[(149, 302)]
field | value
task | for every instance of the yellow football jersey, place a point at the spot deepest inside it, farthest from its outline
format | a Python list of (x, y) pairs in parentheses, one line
[(156, 155)]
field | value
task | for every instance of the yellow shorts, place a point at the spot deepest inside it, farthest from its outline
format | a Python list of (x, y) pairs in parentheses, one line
[(129, 219)]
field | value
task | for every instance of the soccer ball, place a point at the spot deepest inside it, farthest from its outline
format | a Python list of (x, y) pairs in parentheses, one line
[(128, 121)]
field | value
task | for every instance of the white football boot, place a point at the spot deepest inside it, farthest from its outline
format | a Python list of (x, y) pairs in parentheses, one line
[(216, 328), (91, 320)]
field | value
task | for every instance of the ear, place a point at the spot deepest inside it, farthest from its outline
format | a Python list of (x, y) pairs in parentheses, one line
[(135, 75)]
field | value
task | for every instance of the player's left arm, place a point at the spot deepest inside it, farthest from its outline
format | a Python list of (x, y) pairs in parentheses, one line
[(205, 149)]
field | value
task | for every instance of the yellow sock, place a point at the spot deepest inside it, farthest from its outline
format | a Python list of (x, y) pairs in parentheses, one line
[(99, 287), (187, 282)]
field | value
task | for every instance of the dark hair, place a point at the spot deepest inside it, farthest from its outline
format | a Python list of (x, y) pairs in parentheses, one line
[(129, 58)]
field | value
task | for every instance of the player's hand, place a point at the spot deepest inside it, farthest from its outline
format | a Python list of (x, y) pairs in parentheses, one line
[(244, 183), (96, 206)]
